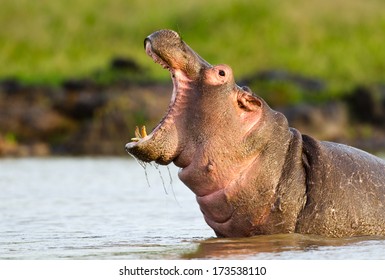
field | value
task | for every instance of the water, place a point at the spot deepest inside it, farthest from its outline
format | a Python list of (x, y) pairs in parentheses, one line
[(104, 208)]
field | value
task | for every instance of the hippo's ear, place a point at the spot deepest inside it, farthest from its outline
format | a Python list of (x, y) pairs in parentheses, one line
[(248, 102)]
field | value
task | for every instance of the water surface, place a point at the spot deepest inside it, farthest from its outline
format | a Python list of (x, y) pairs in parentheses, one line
[(105, 208)]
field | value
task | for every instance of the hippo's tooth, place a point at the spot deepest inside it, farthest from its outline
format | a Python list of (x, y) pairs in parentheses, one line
[(143, 132), (137, 133)]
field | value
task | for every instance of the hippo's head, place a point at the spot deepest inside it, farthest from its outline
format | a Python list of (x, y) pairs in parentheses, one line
[(215, 131)]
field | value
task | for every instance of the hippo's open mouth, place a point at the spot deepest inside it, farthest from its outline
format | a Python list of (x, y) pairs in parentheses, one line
[(163, 145), (141, 135)]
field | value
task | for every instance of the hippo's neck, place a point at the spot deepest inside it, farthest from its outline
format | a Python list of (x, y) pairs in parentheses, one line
[(289, 196), (274, 186), (250, 193)]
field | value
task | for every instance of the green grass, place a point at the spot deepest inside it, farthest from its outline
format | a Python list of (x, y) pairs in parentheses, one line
[(341, 41)]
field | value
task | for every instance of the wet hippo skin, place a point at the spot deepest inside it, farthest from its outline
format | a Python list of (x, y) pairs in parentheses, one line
[(251, 173)]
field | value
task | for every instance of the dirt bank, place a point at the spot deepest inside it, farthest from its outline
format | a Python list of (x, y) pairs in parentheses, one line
[(82, 117)]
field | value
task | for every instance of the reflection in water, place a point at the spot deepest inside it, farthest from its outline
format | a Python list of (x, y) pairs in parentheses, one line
[(271, 246)]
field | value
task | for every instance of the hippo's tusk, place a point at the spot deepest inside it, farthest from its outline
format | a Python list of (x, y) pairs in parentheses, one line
[(139, 134), (143, 132)]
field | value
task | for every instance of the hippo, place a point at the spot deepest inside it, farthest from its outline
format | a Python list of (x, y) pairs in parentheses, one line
[(251, 173)]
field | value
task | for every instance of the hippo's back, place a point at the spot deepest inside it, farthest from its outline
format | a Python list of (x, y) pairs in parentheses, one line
[(345, 191)]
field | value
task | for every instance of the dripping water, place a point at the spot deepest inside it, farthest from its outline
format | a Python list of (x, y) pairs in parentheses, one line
[(161, 177), (163, 183), (144, 166), (171, 185)]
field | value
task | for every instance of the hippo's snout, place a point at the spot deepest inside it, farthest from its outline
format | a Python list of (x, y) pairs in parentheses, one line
[(167, 48)]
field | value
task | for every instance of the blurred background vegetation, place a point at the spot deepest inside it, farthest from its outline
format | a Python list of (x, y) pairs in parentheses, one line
[(71, 55), (342, 41)]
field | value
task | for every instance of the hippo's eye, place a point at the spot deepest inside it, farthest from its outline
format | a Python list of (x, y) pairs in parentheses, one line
[(222, 73)]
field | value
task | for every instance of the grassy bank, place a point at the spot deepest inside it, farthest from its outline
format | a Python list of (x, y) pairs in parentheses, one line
[(340, 41)]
